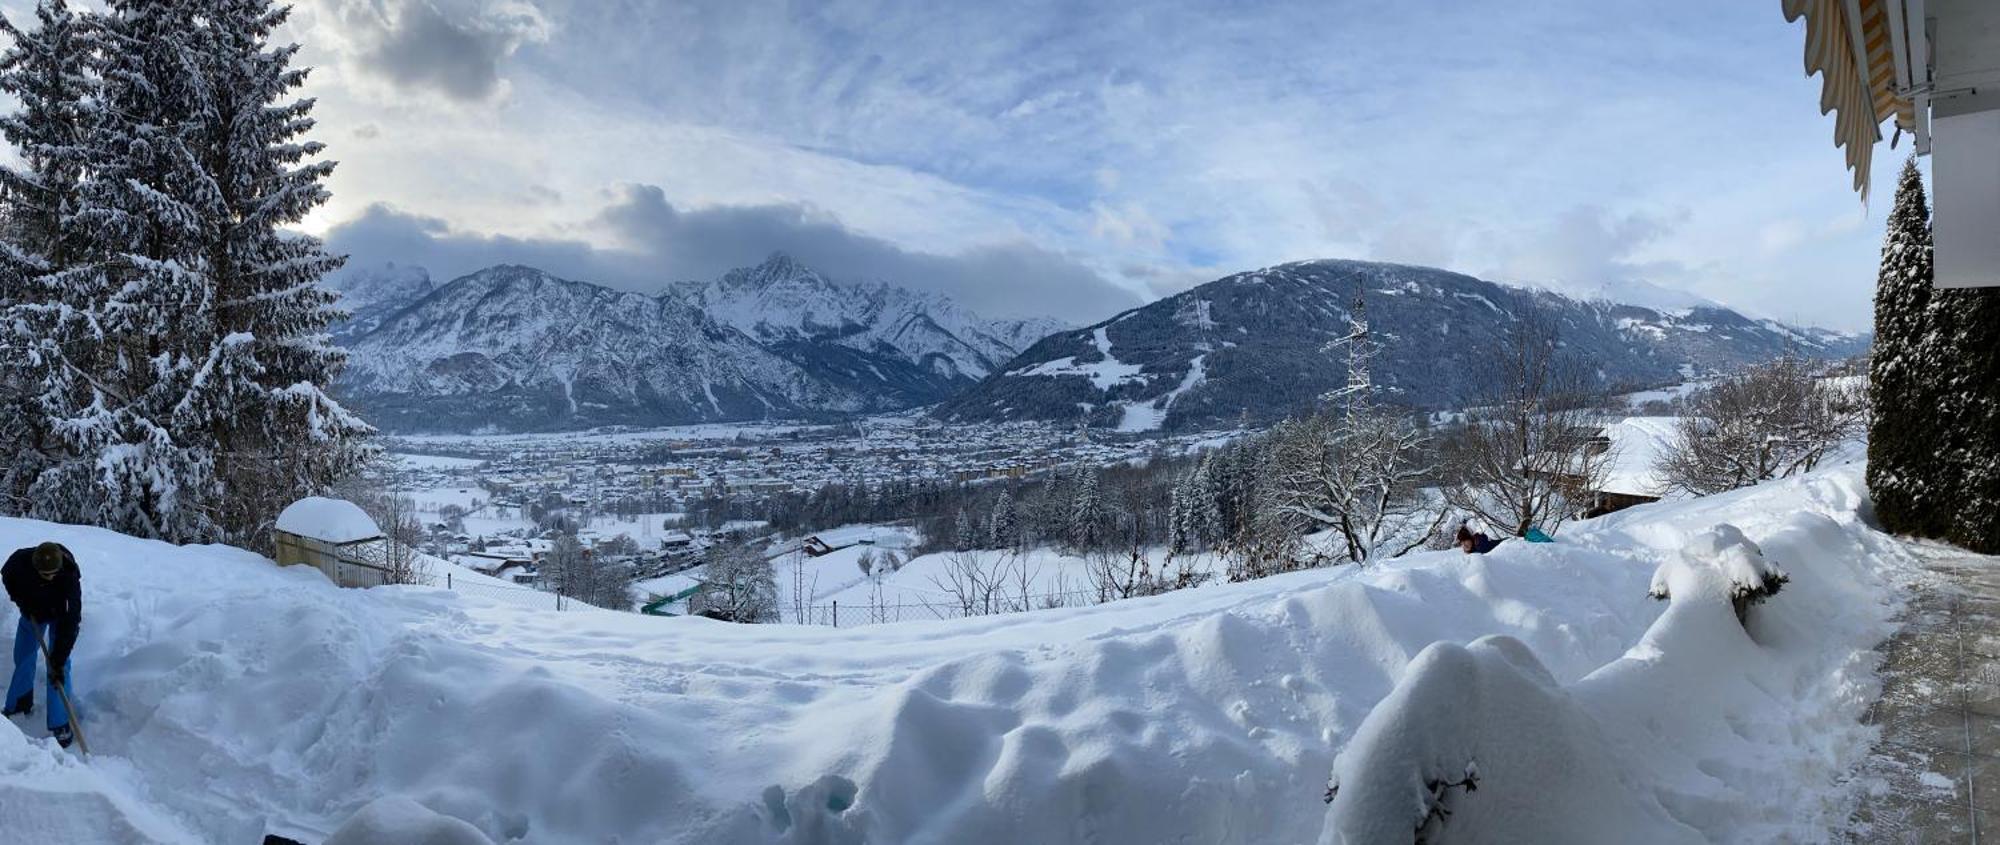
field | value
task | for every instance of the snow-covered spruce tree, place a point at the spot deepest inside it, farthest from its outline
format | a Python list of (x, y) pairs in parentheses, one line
[(1906, 478), (1087, 514), (1204, 518), (278, 435), (213, 356), (964, 537), (1004, 530), (51, 286), (1179, 535), (1193, 521), (146, 204)]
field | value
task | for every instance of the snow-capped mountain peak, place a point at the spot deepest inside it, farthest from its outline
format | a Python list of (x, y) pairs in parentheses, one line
[(783, 301), (516, 347), (373, 293)]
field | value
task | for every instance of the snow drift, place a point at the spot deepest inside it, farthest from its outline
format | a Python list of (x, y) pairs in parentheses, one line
[(1683, 739), (227, 698)]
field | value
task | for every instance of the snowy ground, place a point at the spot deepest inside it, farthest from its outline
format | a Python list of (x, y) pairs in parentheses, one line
[(226, 697), (435, 462)]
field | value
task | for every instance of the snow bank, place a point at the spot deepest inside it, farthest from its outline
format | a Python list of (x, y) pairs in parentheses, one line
[(331, 520), (1694, 735), (227, 698)]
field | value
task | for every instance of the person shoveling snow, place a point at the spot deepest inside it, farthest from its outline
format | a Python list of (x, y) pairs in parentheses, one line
[(44, 583)]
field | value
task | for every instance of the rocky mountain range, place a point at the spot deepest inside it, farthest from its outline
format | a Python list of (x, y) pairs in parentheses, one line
[(1252, 344), (514, 348)]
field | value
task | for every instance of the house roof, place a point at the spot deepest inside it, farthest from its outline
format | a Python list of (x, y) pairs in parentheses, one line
[(1636, 446)]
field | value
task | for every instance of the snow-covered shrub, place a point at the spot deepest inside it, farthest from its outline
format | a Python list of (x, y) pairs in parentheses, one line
[(1752, 578), (397, 819), (1479, 743)]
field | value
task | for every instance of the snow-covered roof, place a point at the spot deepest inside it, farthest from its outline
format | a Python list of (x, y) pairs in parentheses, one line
[(328, 520), (1636, 446)]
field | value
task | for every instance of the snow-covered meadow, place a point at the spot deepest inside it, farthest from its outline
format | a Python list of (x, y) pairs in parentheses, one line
[(225, 697)]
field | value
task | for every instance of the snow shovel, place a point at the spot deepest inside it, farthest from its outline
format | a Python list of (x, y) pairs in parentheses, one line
[(62, 689)]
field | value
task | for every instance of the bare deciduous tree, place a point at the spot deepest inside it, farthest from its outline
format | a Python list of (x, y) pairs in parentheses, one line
[(1359, 476), (1770, 421), (984, 583), (1524, 458), (396, 515), (737, 585)]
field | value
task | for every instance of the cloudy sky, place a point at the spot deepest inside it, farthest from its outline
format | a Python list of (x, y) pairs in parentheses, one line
[(1074, 158)]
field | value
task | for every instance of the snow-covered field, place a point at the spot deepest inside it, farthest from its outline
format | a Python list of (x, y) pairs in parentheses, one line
[(225, 697)]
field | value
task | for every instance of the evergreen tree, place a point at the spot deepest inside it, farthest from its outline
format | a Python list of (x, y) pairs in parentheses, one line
[(1194, 522), (1005, 531), (279, 436), (1087, 514), (1204, 517), (149, 201), (50, 290), (1976, 517), (173, 341), (1906, 478), (1180, 538), (962, 534)]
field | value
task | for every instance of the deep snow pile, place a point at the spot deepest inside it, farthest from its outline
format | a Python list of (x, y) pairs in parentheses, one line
[(227, 697), (1700, 732)]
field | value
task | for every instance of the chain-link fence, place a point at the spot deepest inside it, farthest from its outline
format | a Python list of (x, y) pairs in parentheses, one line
[(521, 596), (905, 608)]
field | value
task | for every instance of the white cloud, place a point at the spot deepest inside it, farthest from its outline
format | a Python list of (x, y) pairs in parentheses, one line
[(1151, 141)]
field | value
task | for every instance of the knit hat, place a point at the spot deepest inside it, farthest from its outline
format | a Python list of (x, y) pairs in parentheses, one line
[(49, 559)]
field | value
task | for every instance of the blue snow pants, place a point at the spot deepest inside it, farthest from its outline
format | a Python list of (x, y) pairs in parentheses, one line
[(26, 655)]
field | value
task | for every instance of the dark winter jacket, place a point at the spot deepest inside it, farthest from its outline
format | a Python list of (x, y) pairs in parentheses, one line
[(58, 601), (1481, 544)]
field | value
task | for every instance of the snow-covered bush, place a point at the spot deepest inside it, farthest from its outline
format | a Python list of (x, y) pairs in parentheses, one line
[(1478, 743), (396, 819), (1751, 577)]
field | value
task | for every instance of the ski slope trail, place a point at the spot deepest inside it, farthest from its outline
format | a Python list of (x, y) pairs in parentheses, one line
[(227, 698)]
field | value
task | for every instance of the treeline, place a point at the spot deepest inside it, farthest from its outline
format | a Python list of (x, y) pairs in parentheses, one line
[(1378, 481)]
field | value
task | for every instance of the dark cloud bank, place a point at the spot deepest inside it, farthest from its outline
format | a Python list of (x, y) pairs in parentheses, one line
[(665, 244)]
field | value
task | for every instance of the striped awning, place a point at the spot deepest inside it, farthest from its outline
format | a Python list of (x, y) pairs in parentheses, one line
[(1849, 43)]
